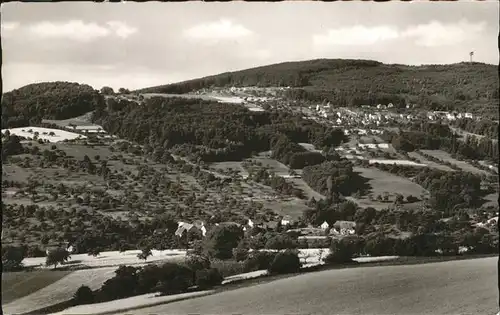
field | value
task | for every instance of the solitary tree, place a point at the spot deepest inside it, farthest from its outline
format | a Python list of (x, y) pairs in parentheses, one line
[(57, 256), (145, 253), (94, 252)]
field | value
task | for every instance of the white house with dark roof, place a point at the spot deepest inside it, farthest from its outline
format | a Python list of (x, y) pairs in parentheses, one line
[(286, 220)]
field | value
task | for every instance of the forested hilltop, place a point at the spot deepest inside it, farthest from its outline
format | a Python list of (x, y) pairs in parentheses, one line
[(211, 131), (358, 82), (48, 100)]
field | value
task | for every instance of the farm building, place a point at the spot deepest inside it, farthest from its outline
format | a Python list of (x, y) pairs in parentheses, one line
[(344, 227)]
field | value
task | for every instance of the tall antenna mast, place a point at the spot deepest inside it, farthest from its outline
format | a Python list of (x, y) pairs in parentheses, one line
[(470, 55)]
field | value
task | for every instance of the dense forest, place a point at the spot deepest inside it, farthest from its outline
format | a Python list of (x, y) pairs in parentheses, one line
[(211, 131), (50, 100), (333, 178), (359, 82)]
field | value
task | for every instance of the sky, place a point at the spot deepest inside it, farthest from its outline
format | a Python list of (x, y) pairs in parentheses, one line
[(136, 45)]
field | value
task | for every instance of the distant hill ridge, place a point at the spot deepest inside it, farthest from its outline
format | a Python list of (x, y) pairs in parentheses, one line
[(356, 82), (47, 100)]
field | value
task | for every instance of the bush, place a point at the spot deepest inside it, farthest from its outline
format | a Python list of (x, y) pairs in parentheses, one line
[(281, 241), (341, 251), (285, 262), (229, 267), (35, 251), (259, 260), (174, 278), (197, 262), (240, 253), (12, 258), (207, 278), (83, 295), (123, 284), (411, 199)]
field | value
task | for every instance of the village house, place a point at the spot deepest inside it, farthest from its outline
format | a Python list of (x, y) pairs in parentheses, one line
[(286, 220), (186, 227), (343, 228), (324, 225)]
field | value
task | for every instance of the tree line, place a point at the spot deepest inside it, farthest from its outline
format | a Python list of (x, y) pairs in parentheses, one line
[(211, 132)]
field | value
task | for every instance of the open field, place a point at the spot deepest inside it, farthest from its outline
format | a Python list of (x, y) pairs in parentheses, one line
[(308, 191), (275, 166), (15, 285), (83, 120), (429, 163), (134, 302), (397, 162), (454, 287), (111, 258), (59, 291), (384, 183), (445, 156), (43, 133), (153, 299)]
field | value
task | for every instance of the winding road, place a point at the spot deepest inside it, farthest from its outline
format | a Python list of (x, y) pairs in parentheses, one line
[(455, 287)]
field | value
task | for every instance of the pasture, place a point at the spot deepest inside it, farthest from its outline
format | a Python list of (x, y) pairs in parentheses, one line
[(59, 291), (455, 287), (384, 183), (49, 134), (275, 166), (445, 156), (429, 163), (110, 258), (16, 285)]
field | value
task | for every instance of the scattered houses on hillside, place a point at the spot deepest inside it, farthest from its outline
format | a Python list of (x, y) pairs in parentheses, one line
[(343, 228)]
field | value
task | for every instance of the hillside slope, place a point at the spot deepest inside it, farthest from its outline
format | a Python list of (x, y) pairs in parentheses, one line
[(48, 100), (357, 82), (456, 287)]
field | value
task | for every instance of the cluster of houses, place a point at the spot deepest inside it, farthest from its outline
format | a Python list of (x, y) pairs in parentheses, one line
[(444, 115), (347, 117), (339, 228)]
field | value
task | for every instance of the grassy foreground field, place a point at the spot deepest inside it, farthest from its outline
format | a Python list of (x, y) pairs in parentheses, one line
[(56, 291), (15, 285), (454, 287)]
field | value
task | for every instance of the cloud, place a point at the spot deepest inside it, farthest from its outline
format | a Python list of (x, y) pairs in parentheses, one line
[(81, 31), (428, 35), (9, 26), (223, 29), (121, 29), (355, 36), (437, 34)]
